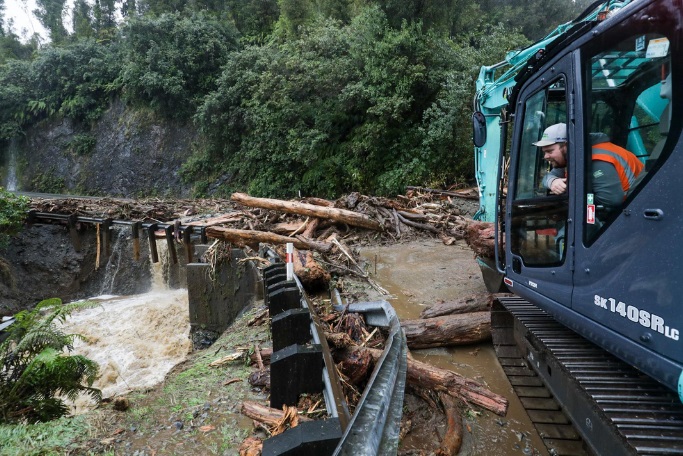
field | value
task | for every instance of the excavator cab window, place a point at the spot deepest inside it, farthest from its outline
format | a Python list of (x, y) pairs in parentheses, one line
[(538, 223), (628, 102)]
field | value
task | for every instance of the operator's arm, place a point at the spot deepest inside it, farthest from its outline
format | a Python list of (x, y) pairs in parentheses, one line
[(606, 185), (552, 176)]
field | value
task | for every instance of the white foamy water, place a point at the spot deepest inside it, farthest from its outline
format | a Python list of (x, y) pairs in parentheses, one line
[(136, 340)]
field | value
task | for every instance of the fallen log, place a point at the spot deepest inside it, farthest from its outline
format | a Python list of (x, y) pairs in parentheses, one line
[(311, 273), (247, 237), (269, 416), (480, 237), (448, 330), (426, 376), (311, 210), (421, 226), (475, 303), (452, 439)]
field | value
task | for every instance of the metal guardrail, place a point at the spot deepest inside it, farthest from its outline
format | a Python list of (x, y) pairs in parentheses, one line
[(375, 425)]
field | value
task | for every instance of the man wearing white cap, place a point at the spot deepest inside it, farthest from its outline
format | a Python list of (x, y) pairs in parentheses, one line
[(614, 168)]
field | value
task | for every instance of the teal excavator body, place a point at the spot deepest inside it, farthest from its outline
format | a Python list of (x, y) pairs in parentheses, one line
[(609, 271)]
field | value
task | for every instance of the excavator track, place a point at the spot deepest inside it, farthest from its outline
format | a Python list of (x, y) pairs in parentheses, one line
[(581, 399)]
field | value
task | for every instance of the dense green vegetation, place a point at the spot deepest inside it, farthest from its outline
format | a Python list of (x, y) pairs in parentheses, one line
[(13, 210), (318, 97), (35, 373)]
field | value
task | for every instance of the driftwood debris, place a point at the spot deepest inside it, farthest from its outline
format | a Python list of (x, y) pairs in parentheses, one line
[(311, 210), (452, 439), (448, 330), (249, 237), (475, 303), (273, 418), (480, 238), (426, 376)]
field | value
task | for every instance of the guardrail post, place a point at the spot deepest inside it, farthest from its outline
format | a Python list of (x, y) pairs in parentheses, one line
[(135, 230), (295, 370), (283, 296), (292, 326), (170, 242), (318, 437), (187, 243), (153, 242)]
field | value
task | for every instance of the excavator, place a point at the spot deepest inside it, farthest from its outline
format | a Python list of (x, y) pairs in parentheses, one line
[(608, 272)]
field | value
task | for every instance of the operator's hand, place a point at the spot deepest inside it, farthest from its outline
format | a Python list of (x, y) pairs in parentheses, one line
[(558, 186)]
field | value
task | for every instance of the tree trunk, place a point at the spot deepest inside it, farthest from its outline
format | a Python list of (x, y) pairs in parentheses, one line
[(475, 303), (247, 237), (480, 238), (452, 439), (291, 207), (448, 330), (426, 376)]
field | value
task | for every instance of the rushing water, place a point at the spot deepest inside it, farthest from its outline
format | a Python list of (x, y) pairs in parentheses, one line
[(136, 340), (12, 166)]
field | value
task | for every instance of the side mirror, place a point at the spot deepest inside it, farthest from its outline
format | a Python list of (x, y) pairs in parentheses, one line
[(478, 129)]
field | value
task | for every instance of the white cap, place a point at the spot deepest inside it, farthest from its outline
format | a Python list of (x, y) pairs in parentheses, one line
[(553, 134)]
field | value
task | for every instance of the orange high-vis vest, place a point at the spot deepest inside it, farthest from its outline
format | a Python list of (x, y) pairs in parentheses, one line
[(627, 165)]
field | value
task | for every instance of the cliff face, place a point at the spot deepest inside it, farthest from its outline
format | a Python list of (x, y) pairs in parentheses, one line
[(50, 261), (128, 153)]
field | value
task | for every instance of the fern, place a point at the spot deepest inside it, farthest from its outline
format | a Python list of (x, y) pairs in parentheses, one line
[(35, 371)]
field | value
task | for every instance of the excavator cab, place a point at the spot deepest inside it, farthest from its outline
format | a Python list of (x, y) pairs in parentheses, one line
[(603, 258)]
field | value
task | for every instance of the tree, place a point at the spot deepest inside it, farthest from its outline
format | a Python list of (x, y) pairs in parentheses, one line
[(35, 373), (82, 21), (173, 61), (49, 13)]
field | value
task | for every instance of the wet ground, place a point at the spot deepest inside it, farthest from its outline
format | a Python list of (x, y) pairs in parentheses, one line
[(195, 410), (424, 272)]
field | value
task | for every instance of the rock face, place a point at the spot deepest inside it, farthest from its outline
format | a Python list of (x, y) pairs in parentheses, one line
[(49, 261), (128, 153)]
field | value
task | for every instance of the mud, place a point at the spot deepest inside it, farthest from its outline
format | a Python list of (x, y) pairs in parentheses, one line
[(421, 273)]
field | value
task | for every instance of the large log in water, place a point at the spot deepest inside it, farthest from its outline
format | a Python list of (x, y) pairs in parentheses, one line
[(311, 210), (448, 330), (426, 376), (475, 303)]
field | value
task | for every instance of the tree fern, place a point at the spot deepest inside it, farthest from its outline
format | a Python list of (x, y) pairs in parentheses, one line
[(35, 372)]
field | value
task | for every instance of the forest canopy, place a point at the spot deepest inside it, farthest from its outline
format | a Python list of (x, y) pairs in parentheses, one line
[(316, 97)]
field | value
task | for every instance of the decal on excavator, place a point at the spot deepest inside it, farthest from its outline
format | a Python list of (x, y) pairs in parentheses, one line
[(640, 316)]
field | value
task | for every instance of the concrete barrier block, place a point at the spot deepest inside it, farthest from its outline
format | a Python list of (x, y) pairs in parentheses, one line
[(290, 327), (294, 370), (318, 438)]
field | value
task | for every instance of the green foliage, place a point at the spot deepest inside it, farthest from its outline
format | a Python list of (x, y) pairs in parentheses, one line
[(60, 436), (74, 81), (363, 106), (173, 61), (35, 372), (48, 182), (13, 211), (82, 144), (49, 13), (14, 95)]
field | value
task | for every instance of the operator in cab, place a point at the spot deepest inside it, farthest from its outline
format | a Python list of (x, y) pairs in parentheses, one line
[(614, 169)]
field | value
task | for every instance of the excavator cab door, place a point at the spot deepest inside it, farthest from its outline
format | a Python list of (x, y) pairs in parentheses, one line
[(539, 230)]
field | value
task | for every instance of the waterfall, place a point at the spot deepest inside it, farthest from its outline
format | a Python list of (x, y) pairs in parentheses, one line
[(114, 263), (136, 340), (12, 166)]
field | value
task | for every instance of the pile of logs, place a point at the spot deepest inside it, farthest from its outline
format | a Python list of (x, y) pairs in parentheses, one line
[(323, 232), (356, 347)]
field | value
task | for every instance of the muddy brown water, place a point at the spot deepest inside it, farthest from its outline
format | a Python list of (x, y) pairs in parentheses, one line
[(421, 273)]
